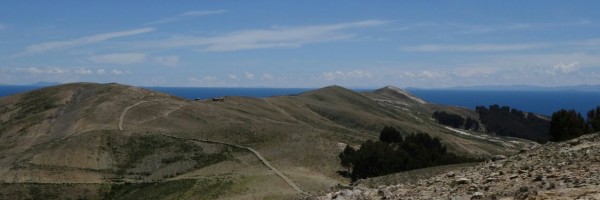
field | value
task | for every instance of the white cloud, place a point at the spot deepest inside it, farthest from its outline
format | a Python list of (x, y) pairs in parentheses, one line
[(249, 76), (83, 71), (339, 75), (169, 61), (593, 42), (87, 40), (62, 74), (209, 78), (474, 72), (48, 70), (186, 15), (432, 74), (472, 47), (529, 70), (119, 58), (270, 38), (232, 76), (424, 74), (562, 68), (119, 72), (267, 76), (31, 70), (480, 29), (66, 71)]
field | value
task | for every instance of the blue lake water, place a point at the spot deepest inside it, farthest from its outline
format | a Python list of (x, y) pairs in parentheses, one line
[(10, 90), (541, 102)]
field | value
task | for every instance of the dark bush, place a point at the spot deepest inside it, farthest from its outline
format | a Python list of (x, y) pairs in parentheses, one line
[(505, 121), (376, 158), (567, 124)]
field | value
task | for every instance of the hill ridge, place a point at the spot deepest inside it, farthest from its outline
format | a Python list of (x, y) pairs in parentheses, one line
[(399, 93), (91, 133)]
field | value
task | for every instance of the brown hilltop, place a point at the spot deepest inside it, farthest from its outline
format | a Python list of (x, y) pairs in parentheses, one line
[(72, 134)]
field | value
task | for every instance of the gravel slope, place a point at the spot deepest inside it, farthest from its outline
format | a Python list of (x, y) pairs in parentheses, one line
[(566, 170)]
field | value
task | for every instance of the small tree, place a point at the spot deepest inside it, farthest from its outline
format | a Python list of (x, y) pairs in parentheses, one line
[(594, 119), (347, 157), (567, 124), (390, 135)]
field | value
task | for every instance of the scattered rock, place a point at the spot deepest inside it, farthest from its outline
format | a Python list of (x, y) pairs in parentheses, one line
[(564, 170), (385, 193), (473, 188), (477, 195), (498, 157), (450, 174), (552, 176), (462, 180), (346, 193)]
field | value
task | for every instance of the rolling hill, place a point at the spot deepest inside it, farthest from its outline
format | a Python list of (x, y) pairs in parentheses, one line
[(116, 141)]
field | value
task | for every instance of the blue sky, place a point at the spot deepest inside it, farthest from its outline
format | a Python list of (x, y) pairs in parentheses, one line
[(301, 43)]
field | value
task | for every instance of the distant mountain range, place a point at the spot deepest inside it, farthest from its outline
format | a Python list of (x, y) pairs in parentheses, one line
[(585, 88)]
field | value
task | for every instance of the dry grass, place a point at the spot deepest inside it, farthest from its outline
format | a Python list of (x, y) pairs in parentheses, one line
[(76, 140)]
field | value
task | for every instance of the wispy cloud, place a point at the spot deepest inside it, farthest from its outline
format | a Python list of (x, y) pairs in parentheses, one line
[(563, 68), (47, 70), (186, 16), (83, 71), (249, 75), (169, 61), (270, 38), (87, 40), (119, 58), (266, 76), (340, 75), (53, 71), (478, 29), (551, 69), (119, 72), (473, 47)]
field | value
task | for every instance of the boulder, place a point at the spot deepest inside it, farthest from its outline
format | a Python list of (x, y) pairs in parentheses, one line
[(462, 180), (477, 195), (498, 157), (385, 193), (450, 174), (346, 193)]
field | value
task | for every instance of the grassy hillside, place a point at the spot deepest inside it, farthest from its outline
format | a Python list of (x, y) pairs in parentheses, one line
[(70, 134)]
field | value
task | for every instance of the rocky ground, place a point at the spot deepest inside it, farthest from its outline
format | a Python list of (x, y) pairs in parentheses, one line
[(565, 170)]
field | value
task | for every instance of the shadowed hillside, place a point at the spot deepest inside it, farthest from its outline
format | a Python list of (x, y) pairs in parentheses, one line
[(72, 134)]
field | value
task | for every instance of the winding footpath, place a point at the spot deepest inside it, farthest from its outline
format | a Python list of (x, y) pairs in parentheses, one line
[(256, 153), (125, 112)]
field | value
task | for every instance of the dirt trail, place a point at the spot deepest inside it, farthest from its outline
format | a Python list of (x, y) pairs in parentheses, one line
[(256, 153), (125, 112)]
